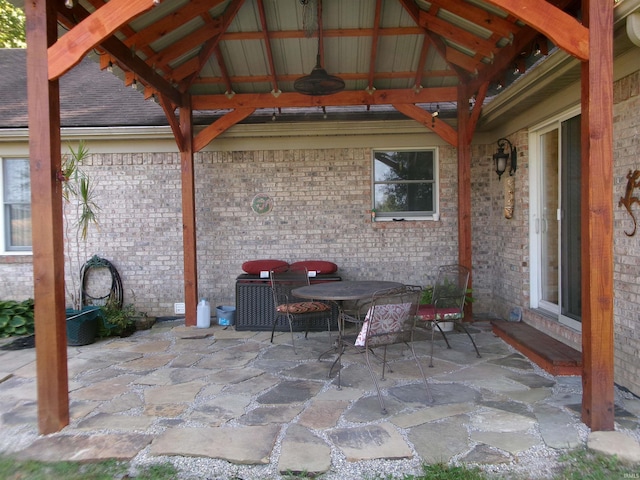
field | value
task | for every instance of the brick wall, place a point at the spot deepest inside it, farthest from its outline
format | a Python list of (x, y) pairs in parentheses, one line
[(321, 210), (626, 249)]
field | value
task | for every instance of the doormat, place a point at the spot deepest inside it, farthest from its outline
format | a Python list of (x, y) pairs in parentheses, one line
[(20, 343)]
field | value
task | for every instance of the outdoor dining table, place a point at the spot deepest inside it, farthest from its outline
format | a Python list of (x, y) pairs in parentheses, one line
[(345, 290), (339, 292)]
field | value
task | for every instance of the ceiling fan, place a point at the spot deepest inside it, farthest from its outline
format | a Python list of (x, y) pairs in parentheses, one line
[(318, 82)]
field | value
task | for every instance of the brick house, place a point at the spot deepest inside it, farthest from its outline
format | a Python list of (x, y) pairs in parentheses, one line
[(318, 173)]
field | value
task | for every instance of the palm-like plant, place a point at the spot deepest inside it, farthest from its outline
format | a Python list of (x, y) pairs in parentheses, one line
[(79, 212)]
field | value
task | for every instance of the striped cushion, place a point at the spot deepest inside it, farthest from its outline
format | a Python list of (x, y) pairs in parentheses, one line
[(303, 307)]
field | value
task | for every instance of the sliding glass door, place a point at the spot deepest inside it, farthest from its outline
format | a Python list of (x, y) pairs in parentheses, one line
[(555, 220)]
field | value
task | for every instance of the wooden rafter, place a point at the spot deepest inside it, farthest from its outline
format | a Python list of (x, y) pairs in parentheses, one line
[(345, 76), (378, 97), (457, 35), (374, 44), (426, 43), (114, 47), (223, 69), (267, 46), (178, 18), (498, 25), (444, 130), (220, 126), (564, 30), (91, 31), (211, 44)]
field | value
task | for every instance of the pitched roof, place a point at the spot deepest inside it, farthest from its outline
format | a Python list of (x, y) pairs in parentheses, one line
[(89, 97)]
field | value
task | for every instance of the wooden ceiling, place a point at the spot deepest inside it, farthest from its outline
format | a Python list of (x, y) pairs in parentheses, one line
[(244, 55)]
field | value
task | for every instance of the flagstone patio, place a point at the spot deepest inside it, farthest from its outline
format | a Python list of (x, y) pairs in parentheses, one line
[(232, 399)]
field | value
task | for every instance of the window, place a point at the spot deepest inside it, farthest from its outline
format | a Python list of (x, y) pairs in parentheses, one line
[(16, 205), (405, 184)]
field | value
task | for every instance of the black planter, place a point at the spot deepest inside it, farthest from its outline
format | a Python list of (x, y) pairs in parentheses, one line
[(83, 325)]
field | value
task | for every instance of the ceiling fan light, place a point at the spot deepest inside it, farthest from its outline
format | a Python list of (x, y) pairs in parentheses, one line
[(318, 82)]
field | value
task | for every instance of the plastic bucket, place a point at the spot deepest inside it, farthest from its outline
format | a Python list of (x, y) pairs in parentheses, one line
[(226, 315)]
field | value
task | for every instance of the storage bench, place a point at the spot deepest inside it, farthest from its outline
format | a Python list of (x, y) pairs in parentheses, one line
[(255, 309)]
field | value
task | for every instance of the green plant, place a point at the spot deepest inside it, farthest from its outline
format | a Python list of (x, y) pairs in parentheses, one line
[(427, 296), (16, 318), (585, 464), (118, 320), (79, 212)]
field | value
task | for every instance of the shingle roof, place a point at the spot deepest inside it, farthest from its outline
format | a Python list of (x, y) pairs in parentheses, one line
[(89, 97)]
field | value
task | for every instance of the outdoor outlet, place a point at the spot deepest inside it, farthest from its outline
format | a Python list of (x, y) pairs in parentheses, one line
[(178, 308)]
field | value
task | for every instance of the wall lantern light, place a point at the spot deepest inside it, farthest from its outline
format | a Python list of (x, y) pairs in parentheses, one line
[(502, 158)]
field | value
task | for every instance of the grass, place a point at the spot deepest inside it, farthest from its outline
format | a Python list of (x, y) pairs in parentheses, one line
[(580, 464), (11, 469)]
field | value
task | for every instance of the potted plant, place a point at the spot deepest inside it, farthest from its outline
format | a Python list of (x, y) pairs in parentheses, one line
[(79, 211)]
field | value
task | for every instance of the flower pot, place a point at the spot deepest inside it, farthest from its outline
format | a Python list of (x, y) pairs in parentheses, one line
[(83, 325)]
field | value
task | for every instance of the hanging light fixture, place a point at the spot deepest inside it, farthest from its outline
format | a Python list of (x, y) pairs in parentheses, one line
[(319, 82), (501, 158)]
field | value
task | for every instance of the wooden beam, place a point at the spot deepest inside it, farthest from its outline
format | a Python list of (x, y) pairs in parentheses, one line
[(378, 97), (220, 126), (90, 32), (444, 130), (46, 220), (564, 30), (597, 219), (267, 46), (189, 243), (125, 59), (373, 54), (174, 123), (477, 109), (464, 191)]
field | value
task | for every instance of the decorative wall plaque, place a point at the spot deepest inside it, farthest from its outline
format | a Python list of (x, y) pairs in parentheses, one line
[(262, 203)]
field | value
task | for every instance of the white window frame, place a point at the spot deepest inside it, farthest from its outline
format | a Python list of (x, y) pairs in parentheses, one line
[(418, 216), (535, 197), (4, 248)]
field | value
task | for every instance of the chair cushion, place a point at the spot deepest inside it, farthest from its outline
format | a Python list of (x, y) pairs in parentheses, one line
[(321, 267), (388, 318), (254, 267), (427, 313), (303, 307)]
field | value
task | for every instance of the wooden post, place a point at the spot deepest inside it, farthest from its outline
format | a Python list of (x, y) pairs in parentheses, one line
[(464, 190), (46, 220), (597, 218), (188, 213)]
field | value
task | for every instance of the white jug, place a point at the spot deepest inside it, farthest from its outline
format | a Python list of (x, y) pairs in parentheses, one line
[(204, 314)]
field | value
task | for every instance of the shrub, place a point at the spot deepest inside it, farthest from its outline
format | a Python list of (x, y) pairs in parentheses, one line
[(16, 318)]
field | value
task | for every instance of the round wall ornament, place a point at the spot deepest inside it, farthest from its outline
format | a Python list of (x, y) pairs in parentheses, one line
[(262, 203)]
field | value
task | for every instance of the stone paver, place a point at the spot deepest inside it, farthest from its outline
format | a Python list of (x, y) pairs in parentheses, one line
[(246, 445), (371, 441), (623, 446), (303, 452), (222, 394)]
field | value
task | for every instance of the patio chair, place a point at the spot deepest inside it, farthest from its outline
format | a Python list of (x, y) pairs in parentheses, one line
[(292, 308), (390, 320), (447, 304)]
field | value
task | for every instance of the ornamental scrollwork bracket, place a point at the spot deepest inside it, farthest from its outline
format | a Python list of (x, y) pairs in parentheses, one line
[(633, 182)]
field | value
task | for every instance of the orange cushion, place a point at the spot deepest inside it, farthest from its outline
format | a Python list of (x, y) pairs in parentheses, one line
[(321, 267), (254, 267), (303, 307)]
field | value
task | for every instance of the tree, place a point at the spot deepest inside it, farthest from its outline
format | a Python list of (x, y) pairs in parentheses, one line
[(12, 33)]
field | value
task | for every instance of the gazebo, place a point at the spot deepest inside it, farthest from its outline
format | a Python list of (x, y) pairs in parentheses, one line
[(239, 60)]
